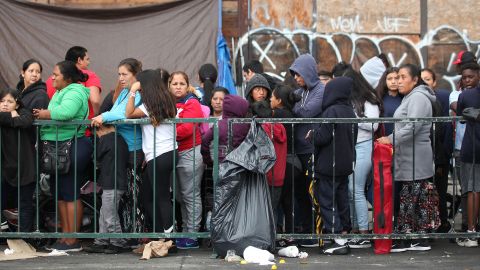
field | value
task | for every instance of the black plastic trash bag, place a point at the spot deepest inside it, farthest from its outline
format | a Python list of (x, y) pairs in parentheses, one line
[(243, 214)]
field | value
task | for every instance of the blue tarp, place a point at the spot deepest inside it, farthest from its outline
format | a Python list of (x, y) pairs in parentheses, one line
[(223, 58)]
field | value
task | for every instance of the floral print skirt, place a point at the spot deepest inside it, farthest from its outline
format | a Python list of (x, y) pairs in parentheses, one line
[(418, 207)]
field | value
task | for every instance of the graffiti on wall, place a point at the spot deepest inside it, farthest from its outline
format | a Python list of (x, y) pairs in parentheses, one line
[(277, 49)]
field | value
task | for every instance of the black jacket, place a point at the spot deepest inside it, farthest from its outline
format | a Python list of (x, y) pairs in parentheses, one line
[(35, 96), (336, 104), (11, 127)]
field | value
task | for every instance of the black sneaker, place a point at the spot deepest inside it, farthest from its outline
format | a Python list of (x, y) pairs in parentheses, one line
[(398, 246), (359, 243), (336, 247), (112, 249), (309, 243), (50, 247), (444, 228), (95, 248), (75, 247), (285, 242), (416, 245)]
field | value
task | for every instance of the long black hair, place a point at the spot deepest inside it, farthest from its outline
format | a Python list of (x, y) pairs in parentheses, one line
[(340, 68), (70, 72), (362, 92), (164, 75), (208, 76), (287, 95), (382, 88), (156, 97)]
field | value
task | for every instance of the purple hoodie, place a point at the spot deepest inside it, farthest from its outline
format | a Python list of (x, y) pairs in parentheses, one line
[(233, 107)]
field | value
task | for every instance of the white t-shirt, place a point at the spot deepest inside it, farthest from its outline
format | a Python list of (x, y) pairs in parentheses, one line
[(365, 130), (165, 138), (459, 127)]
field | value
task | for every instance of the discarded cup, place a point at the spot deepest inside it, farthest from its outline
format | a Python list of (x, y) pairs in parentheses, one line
[(232, 257)]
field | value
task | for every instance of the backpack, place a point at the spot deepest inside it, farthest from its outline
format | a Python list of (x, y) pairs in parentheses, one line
[(204, 127)]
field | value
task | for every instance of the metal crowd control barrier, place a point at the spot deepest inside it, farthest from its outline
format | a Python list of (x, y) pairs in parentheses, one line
[(38, 232), (370, 236)]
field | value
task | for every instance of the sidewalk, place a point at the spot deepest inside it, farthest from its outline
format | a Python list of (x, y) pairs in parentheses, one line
[(444, 255)]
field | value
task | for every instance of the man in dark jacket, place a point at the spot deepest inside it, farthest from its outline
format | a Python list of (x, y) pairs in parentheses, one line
[(304, 71), (334, 155)]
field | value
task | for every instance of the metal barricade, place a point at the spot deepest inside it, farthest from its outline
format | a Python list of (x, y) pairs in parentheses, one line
[(39, 215), (315, 234), (40, 231)]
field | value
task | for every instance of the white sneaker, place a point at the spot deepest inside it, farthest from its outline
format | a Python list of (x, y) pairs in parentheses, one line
[(416, 245), (467, 242), (4, 226)]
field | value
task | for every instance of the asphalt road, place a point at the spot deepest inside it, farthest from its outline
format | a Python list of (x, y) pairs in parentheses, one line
[(444, 255)]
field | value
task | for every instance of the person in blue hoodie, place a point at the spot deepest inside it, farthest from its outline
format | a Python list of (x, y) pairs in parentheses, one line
[(333, 162), (304, 71), (118, 149)]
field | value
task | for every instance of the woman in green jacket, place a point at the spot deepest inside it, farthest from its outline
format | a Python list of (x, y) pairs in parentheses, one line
[(70, 102)]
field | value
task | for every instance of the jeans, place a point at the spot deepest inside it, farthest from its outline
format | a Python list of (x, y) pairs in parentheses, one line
[(356, 185), (189, 175), (109, 221)]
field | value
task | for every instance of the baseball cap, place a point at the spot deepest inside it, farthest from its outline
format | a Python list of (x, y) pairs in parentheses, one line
[(465, 57)]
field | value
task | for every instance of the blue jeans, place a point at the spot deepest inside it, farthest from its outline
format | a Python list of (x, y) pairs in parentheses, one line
[(356, 185)]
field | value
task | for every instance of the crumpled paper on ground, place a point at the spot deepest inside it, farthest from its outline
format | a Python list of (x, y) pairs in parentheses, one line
[(18, 249), (154, 249)]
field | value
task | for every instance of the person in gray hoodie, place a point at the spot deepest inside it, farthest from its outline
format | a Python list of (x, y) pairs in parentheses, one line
[(304, 71), (413, 159)]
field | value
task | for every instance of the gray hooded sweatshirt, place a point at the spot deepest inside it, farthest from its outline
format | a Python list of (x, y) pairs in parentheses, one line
[(410, 137), (311, 104)]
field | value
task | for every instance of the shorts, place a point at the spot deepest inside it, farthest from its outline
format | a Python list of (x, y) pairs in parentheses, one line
[(68, 185), (470, 177)]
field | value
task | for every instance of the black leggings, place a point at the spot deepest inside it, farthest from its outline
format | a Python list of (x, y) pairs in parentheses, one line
[(163, 203)]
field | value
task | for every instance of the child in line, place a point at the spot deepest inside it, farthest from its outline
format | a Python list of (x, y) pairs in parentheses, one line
[(18, 167)]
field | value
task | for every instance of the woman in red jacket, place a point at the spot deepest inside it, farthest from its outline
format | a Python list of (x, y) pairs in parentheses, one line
[(190, 163)]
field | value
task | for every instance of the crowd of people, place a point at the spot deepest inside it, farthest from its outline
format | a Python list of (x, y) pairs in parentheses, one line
[(137, 162)]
